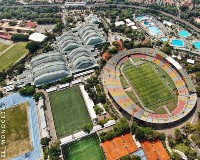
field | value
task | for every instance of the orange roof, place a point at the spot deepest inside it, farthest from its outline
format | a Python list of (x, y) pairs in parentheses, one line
[(119, 146), (31, 24), (154, 150)]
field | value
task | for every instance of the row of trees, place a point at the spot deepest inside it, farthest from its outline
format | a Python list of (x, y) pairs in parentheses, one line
[(42, 15)]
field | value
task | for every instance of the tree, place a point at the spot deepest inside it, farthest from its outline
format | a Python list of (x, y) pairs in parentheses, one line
[(1, 94), (45, 141), (179, 136), (59, 27), (37, 96), (54, 151), (127, 157), (175, 156), (87, 128), (32, 46), (134, 127), (27, 91), (135, 158), (98, 109), (19, 37)]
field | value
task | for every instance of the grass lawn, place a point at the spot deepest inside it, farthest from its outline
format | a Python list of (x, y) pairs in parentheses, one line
[(12, 55), (160, 110), (182, 147), (148, 85), (17, 130), (85, 149), (3, 47), (69, 111)]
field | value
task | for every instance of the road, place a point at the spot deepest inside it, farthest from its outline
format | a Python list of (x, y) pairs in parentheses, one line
[(112, 5)]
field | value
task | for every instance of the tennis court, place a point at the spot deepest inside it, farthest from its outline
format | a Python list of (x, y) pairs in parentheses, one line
[(87, 148), (69, 111), (154, 150), (119, 146), (148, 85)]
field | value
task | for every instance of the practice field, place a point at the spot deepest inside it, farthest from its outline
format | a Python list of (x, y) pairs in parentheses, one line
[(12, 55), (87, 148), (17, 131), (69, 111), (148, 85), (3, 47)]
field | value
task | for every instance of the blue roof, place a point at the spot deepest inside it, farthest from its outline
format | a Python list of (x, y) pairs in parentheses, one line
[(140, 153)]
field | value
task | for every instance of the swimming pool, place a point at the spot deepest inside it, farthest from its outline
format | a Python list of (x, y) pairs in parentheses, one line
[(177, 43), (196, 45), (146, 23), (154, 31), (164, 39), (139, 18), (184, 33)]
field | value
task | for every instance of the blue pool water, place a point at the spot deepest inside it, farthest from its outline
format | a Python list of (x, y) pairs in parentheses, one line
[(196, 45), (140, 18), (164, 39), (146, 23), (177, 43), (184, 33), (154, 30)]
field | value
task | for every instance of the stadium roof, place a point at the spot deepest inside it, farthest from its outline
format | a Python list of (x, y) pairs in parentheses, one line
[(48, 67), (37, 37), (175, 63)]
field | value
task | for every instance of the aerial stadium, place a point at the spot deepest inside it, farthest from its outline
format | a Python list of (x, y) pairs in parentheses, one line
[(150, 86)]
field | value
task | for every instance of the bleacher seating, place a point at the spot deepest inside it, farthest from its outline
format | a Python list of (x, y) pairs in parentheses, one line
[(115, 89)]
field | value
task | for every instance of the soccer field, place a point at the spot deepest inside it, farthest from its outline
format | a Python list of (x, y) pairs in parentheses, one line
[(17, 131), (148, 85), (12, 55), (69, 111), (85, 149), (3, 47)]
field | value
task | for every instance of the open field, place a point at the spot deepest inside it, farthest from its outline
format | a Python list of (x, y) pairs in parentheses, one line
[(148, 85), (17, 131), (69, 111), (12, 55), (85, 149), (3, 47)]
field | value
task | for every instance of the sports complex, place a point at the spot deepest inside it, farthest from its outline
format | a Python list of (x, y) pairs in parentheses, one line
[(149, 85)]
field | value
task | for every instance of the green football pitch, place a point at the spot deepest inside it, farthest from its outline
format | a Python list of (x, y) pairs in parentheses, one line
[(150, 88), (69, 111), (85, 149)]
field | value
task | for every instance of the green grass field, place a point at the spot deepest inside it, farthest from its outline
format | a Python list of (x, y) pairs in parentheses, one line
[(85, 149), (17, 131), (12, 55), (148, 85), (3, 47), (69, 111)]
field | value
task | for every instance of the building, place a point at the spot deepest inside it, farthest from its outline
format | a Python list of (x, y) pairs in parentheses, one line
[(90, 34), (81, 59), (10, 27), (48, 67), (37, 37), (73, 53)]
